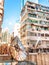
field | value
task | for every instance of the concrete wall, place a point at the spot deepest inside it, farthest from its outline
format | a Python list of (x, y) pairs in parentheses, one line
[(39, 58)]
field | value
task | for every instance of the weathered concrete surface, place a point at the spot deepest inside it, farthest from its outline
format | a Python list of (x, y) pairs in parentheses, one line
[(39, 58)]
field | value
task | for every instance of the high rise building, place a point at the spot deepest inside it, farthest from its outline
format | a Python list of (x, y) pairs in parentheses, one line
[(6, 37), (34, 28), (16, 30), (46, 2), (1, 14), (24, 1)]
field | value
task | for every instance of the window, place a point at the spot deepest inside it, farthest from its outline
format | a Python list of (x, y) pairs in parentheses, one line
[(28, 26), (45, 28), (34, 21), (40, 22), (31, 15), (47, 18), (31, 7), (42, 34), (31, 34), (42, 28), (37, 28), (36, 7), (28, 43), (39, 16), (38, 34)]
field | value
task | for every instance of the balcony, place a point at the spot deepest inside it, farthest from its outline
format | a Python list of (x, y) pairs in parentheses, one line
[(32, 9), (0, 19), (46, 9), (37, 37), (39, 31), (32, 15), (47, 16), (39, 23), (32, 21), (44, 23), (1, 6), (32, 12), (36, 18), (47, 45), (1, 11)]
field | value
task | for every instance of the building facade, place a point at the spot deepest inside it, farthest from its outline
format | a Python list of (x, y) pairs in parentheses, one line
[(6, 36), (16, 30), (1, 14), (24, 1), (46, 2), (34, 28)]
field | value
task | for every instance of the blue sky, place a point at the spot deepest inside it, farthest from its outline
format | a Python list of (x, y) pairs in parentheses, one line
[(12, 10), (11, 13), (44, 2)]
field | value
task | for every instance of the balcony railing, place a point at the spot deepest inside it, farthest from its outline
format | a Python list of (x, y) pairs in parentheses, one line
[(1, 6), (1, 11), (40, 31), (0, 19), (41, 23), (36, 37)]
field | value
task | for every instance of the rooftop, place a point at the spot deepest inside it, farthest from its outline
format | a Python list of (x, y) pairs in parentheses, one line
[(34, 3)]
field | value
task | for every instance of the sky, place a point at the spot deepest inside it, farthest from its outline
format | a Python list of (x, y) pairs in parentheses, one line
[(44, 2), (12, 9)]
